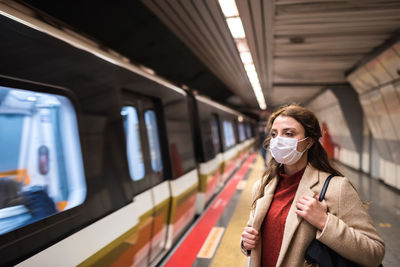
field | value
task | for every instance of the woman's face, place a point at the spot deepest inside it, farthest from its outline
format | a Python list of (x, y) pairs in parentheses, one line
[(286, 126)]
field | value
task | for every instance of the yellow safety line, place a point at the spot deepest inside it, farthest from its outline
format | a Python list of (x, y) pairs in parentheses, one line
[(228, 252), (211, 243)]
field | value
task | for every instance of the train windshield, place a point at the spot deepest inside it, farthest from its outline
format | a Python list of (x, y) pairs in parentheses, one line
[(41, 169)]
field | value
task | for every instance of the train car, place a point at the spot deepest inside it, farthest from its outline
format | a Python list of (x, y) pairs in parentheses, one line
[(224, 145), (103, 163)]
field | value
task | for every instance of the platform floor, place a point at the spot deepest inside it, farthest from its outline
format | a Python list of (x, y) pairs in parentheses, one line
[(221, 247), (384, 209)]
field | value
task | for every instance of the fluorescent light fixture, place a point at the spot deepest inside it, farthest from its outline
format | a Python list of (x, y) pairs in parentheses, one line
[(242, 45), (31, 98), (251, 71), (229, 8), (250, 68), (236, 27), (253, 77), (246, 58), (260, 98), (261, 102)]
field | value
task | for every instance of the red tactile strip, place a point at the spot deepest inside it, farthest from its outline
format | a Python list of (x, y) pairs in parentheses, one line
[(187, 252)]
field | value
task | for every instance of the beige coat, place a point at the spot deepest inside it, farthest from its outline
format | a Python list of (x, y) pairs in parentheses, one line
[(348, 230)]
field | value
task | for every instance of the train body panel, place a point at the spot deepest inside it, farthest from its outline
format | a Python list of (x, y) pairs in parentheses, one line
[(229, 163), (209, 173), (183, 193), (100, 238)]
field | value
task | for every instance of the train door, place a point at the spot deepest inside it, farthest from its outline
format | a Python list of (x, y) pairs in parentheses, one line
[(217, 143), (230, 151), (146, 169), (160, 190), (241, 144)]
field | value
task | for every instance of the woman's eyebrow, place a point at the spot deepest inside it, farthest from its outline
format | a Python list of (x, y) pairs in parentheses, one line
[(286, 129)]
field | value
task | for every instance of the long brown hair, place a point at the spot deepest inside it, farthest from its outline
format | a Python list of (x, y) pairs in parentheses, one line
[(317, 156)]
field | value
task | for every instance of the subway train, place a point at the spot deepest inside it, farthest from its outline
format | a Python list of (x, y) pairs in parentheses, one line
[(102, 162)]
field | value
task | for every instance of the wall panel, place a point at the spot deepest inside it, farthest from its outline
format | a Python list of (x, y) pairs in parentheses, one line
[(377, 82)]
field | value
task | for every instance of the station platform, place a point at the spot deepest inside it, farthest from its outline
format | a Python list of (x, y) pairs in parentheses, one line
[(214, 238)]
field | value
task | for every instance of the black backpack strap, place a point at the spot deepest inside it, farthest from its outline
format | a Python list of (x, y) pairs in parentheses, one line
[(323, 191)]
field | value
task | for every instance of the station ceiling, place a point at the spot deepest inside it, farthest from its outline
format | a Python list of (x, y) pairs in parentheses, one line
[(299, 47)]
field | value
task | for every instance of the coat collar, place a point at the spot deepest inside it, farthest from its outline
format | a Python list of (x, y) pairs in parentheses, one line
[(309, 179)]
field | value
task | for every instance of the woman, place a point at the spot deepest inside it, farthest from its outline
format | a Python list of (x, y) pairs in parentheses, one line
[(286, 214)]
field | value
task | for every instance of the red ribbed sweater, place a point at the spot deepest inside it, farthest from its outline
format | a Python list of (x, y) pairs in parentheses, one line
[(274, 222)]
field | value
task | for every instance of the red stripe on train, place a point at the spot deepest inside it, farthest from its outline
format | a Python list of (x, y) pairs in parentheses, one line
[(187, 252)]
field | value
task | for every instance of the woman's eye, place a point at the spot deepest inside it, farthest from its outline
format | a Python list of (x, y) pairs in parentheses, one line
[(273, 135), (289, 134)]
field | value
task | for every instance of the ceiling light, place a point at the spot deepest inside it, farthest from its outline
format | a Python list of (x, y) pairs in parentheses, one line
[(246, 58), (229, 8), (236, 27), (252, 77), (250, 67), (242, 45)]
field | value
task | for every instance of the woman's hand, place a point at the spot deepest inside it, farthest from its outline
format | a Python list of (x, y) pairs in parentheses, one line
[(312, 211), (250, 237)]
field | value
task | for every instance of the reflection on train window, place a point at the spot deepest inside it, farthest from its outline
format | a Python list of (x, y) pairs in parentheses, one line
[(215, 134), (248, 131), (133, 144), (41, 169), (242, 136), (228, 133), (179, 137), (154, 143)]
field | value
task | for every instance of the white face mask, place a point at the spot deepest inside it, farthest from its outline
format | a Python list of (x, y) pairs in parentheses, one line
[(284, 149)]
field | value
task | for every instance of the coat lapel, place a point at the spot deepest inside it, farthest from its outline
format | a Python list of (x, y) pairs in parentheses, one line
[(309, 179), (262, 204)]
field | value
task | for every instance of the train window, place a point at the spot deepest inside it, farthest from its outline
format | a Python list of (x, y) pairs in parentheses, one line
[(154, 142), (242, 136), (228, 133), (133, 143), (248, 131), (179, 137), (41, 168), (215, 134)]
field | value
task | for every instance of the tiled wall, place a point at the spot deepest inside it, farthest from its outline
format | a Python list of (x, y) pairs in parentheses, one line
[(328, 110), (377, 83)]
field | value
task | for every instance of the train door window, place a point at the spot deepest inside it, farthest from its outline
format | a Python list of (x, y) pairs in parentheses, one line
[(133, 142), (228, 133), (215, 134), (242, 136), (41, 168), (180, 141), (154, 142), (248, 131), (236, 131)]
